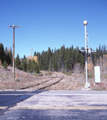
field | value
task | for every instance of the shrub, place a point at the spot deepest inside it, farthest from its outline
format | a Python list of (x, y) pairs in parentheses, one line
[(17, 80), (90, 75), (5, 64)]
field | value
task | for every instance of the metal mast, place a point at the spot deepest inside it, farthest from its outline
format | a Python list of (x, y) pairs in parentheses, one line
[(85, 24)]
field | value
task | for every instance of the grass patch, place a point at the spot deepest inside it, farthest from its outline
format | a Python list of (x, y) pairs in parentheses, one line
[(66, 73), (103, 75), (38, 74), (50, 73), (90, 75), (17, 80)]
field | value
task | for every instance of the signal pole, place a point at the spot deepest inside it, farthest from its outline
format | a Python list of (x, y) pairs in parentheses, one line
[(85, 24), (13, 71), (87, 51)]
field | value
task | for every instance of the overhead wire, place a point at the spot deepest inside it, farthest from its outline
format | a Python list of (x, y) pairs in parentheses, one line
[(24, 41)]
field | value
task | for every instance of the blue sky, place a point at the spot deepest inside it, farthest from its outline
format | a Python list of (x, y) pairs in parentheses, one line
[(52, 23)]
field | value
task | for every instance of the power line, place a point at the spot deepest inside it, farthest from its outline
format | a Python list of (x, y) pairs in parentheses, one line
[(27, 44)]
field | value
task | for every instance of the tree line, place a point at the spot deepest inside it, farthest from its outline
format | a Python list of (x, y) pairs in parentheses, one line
[(5, 55), (22, 64), (26, 65), (63, 59), (67, 59)]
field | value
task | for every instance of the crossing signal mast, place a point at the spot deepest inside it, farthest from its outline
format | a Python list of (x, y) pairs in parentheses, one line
[(87, 51)]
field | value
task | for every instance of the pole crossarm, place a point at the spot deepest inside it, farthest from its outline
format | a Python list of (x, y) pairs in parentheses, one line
[(13, 26)]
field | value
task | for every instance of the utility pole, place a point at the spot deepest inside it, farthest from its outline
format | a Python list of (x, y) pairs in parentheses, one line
[(31, 52), (13, 71)]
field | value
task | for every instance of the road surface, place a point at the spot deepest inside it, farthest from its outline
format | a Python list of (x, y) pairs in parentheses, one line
[(53, 105)]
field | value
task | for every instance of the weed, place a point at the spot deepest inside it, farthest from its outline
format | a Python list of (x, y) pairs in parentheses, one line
[(90, 75), (17, 80), (50, 73), (40, 74), (67, 73), (35, 74), (104, 76)]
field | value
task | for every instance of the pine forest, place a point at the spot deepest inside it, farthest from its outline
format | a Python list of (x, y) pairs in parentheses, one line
[(61, 60)]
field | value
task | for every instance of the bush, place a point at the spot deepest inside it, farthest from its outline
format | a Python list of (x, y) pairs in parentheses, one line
[(90, 75), (5, 64), (17, 80), (40, 74), (33, 66), (66, 73)]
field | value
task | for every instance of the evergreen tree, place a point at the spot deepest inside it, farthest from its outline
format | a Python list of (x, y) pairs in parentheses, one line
[(0, 63), (24, 57), (35, 53), (24, 64), (82, 59), (29, 65), (61, 58), (36, 67), (33, 66), (47, 58), (8, 56), (67, 59), (5, 64), (78, 55), (39, 58), (2, 54), (71, 58), (55, 61), (17, 61)]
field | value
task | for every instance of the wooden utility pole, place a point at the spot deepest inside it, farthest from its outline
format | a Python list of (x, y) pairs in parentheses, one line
[(13, 71), (31, 52)]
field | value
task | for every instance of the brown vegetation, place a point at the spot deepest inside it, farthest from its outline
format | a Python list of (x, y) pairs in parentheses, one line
[(71, 81), (33, 58)]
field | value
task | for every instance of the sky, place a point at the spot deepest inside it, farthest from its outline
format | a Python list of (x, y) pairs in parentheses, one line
[(52, 23)]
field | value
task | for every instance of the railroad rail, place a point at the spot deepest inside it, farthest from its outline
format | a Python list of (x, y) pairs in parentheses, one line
[(38, 86), (50, 83), (44, 84)]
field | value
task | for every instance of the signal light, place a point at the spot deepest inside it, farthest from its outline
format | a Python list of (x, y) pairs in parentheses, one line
[(88, 51)]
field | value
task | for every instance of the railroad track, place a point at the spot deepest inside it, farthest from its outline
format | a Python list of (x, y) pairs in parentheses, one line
[(49, 83), (37, 87), (42, 85), (37, 84)]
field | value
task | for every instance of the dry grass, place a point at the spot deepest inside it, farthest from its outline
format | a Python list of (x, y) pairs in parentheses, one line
[(22, 79), (69, 82)]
